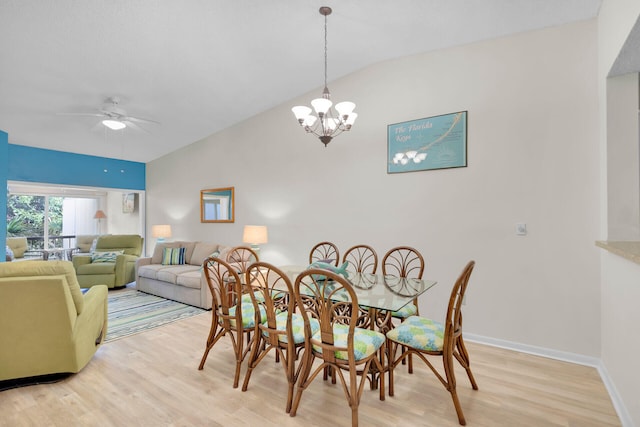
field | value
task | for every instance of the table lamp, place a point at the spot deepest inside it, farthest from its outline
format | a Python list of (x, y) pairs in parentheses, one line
[(255, 235), (161, 232)]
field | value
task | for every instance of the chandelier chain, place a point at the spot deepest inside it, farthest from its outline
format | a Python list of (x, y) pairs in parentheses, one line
[(325, 50)]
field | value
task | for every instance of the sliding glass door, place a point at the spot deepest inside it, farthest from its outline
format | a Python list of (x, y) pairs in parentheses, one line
[(50, 221)]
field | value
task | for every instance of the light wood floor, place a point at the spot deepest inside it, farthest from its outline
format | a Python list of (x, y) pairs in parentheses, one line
[(151, 379)]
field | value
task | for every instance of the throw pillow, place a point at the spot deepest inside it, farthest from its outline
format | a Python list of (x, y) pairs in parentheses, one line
[(105, 256), (159, 251), (173, 256), (92, 249)]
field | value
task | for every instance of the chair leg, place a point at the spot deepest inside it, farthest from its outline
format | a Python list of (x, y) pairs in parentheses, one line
[(211, 340), (451, 386), (456, 403), (307, 364), (391, 364), (464, 355), (253, 357)]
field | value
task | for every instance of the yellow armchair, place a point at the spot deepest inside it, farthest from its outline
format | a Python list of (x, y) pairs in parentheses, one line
[(18, 246), (47, 324), (91, 270)]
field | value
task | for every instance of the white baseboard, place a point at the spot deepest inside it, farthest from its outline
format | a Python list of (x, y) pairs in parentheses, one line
[(579, 359)]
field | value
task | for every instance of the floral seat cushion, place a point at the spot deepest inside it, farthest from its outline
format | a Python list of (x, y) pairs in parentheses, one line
[(406, 311), (420, 333), (248, 315), (365, 341), (297, 327)]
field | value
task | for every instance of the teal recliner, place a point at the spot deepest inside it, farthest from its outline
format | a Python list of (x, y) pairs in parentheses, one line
[(113, 263)]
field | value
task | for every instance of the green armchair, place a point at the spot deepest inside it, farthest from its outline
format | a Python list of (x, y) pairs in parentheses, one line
[(18, 246), (115, 269), (48, 325)]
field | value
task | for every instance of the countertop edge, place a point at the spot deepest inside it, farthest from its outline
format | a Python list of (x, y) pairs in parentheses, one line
[(626, 249)]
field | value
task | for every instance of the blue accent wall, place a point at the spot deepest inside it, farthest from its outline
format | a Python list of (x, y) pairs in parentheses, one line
[(21, 163), (4, 162), (57, 167)]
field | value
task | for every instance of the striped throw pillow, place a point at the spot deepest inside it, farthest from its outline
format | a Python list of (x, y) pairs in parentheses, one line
[(173, 256), (105, 256)]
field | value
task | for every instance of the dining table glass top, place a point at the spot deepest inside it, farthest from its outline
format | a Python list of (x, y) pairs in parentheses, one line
[(387, 292)]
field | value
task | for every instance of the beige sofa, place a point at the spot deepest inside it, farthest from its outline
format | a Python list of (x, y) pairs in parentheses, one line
[(183, 282)]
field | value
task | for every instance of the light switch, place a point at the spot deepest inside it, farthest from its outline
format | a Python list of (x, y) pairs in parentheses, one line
[(521, 229)]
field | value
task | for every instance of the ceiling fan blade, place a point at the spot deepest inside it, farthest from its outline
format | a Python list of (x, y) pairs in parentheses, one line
[(140, 120), (82, 114), (134, 126)]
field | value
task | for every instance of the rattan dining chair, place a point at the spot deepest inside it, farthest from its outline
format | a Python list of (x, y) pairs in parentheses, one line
[(339, 344), (361, 259), (425, 337), (242, 257), (404, 261), (229, 314), (281, 329), (325, 251)]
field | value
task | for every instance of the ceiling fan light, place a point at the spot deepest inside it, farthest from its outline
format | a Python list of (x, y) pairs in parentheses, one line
[(114, 124)]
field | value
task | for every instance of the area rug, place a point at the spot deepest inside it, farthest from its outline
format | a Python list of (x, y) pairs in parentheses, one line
[(132, 312)]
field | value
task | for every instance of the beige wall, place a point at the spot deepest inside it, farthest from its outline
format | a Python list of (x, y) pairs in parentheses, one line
[(620, 279), (533, 158), (118, 222)]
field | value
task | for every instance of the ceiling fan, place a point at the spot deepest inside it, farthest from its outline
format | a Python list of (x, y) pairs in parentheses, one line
[(114, 117)]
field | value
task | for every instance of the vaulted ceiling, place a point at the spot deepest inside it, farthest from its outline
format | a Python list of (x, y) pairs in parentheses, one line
[(199, 66)]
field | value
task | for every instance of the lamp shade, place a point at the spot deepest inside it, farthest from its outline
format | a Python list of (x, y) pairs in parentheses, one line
[(100, 215), (162, 231), (255, 234)]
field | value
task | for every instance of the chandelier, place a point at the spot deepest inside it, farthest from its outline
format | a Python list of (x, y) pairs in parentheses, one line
[(327, 123)]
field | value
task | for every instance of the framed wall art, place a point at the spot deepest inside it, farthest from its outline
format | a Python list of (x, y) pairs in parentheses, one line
[(438, 142), (128, 202)]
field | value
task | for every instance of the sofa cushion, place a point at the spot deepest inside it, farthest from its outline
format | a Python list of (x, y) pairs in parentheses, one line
[(109, 256), (189, 247), (150, 271), (201, 252), (170, 274), (158, 251), (191, 279), (173, 256), (96, 268), (130, 243)]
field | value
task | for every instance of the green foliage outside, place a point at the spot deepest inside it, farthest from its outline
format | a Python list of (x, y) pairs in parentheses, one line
[(26, 216)]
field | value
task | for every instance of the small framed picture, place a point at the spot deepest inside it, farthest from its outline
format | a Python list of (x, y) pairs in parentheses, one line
[(128, 202)]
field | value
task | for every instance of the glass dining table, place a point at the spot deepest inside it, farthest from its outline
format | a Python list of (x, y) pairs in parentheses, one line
[(383, 294), (379, 294)]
